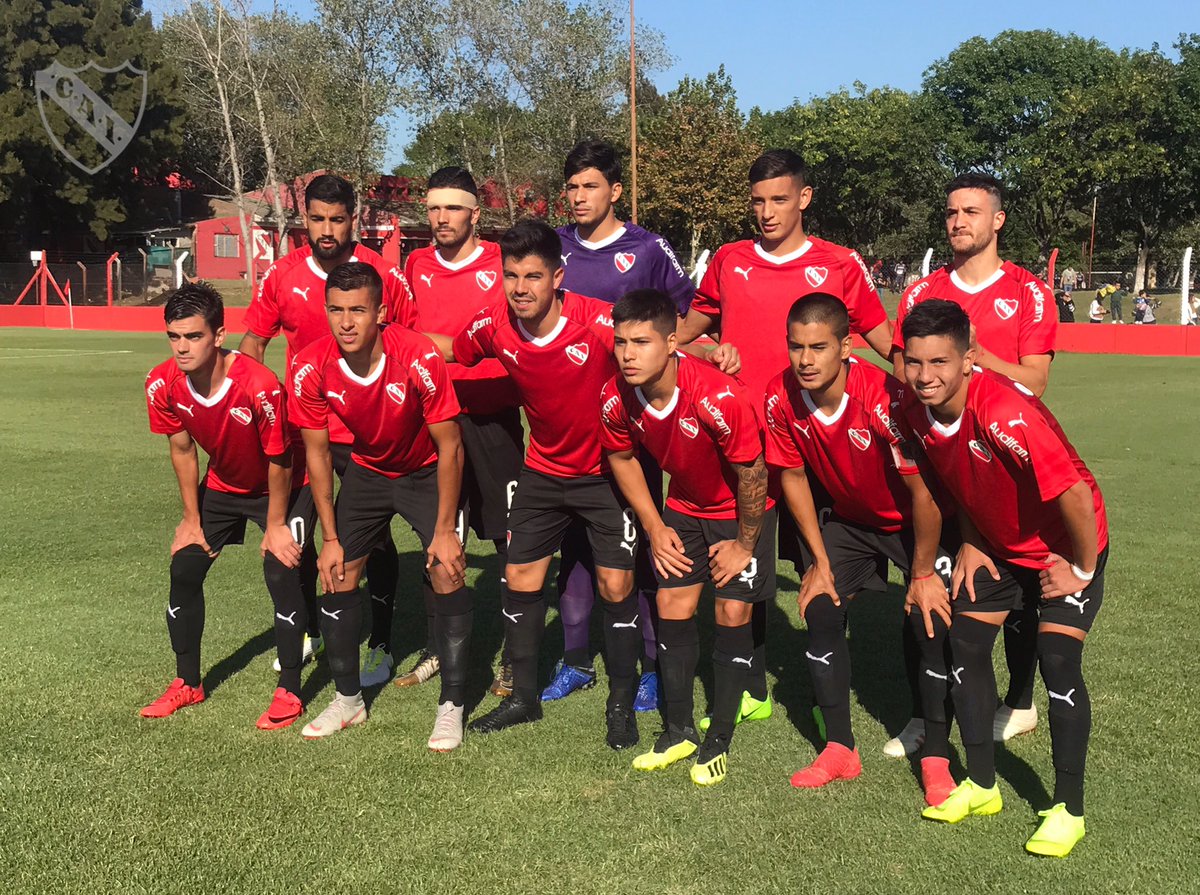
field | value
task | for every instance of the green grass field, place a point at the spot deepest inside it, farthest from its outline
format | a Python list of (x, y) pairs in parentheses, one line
[(94, 799)]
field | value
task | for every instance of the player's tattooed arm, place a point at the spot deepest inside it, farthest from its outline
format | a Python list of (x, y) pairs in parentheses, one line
[(751, 500), (186, 464)]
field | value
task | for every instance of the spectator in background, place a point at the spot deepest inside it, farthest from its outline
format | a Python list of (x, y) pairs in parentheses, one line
[(901, 270), (1116, 300), (1066, 307), (1068, 283), (1097, 311), (1143, 308)]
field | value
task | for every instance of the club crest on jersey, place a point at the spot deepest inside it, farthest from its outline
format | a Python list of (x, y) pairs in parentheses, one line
[(860, 438), (485, 279), (980, 450), (624, 261), (1005, 307), (690, 427), (396, 392), (816, 275), (241, 414), (578, 353)]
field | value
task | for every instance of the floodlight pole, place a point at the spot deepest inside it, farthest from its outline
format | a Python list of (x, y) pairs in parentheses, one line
[(633, 147)]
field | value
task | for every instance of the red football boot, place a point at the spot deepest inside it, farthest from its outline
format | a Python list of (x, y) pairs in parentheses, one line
[(835, 762), (178, 695)]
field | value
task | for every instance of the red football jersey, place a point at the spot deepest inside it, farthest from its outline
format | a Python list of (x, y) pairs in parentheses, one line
[(558, 377), (857, 453), (1005, 461), (1013, 311), (387, 412), (291, 299), (709, 423), (239, 427), (752, 291), (448, 296)]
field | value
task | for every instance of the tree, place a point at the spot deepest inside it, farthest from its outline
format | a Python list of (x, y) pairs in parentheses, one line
[(876, 176), (696, 153), (42, 194)]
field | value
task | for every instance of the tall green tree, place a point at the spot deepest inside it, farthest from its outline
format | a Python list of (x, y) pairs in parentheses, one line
[(42, 194)]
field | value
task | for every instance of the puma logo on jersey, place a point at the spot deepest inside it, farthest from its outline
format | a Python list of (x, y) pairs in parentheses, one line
[(1019, 421), (565, 257), (512, 354), (1065, 697), (1073, 600), (578, 353), (728, 393), (241, 414), (804, 430), (744, 271), (485, 279), (341, 396), (303, 293), (824, 660), (190, 408), (290, 619), (629, 624), (428, 278)]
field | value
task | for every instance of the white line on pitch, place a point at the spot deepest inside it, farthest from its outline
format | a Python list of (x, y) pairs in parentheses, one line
[(68, 353)]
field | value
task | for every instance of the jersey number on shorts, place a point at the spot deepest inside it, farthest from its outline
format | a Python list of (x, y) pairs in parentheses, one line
[(629, 534)]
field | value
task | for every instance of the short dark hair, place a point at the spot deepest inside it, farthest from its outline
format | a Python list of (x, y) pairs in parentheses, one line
[(332, 190), (530, 237), (978, 180), (198, 299), (453, 177), (593, 154), (780, 163), (820, 307), (938, 317), (355, 275), (647, 306)]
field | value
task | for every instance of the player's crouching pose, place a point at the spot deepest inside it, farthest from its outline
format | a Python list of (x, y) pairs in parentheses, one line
[(834, 415), (234, 408), (1034, 532), (718, 525), (389, 386)]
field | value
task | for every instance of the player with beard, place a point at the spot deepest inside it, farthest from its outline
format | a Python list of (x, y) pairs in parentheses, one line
[(1015, 327), (701, 426), (235, 409), (389, 387), (1034, 533), (290, 300), (748, 289), (605, 258), (451, 280)]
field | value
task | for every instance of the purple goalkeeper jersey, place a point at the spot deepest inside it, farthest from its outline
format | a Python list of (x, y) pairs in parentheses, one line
[(632, 258)]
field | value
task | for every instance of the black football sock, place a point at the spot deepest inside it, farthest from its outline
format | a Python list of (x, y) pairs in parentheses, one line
[(524, 622), (756, 680), (430, 599), (454, 620), (828, 657), (383, 573), (933, 679), (291, 620), (576, 597), (1020, 654), (308, 586), (341, 625), (185, 610), (1061, 658), (733, 663), (912, 648), (501, 545), (648, 610), (973, 686), (622, 643), (678, 656)]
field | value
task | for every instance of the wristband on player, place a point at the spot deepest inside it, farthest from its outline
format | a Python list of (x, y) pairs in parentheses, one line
[(1081, 574), (922, 578), (327, 540)]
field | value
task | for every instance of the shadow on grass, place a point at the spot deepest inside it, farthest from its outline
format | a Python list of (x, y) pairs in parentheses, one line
[(238, 660)]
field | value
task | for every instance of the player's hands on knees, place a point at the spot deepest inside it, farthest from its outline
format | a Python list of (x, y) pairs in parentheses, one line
[(727, 358), (446, 550), (970, 560), (930, 597), (817, 580), (282, 545), (331, 565), (726, 559), (1059, 579), (667, 549), (189, 532)]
